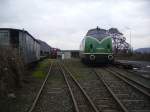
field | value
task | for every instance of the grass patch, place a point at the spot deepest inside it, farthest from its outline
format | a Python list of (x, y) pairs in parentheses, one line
[(38, 74), (78, 69), (40, 71), (43, 64)]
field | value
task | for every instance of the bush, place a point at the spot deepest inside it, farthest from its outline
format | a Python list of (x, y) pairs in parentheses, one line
[(11, 70)]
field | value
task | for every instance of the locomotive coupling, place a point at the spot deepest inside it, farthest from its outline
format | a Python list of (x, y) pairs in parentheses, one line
[(92, 57), (110, 57)]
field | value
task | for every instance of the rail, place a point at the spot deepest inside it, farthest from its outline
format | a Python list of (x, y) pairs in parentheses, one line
[(64, 69), (131, 82), (40, 91), (112, 93)]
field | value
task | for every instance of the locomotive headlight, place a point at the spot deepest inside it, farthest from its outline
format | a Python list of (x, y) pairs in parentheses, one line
[(110, 57), (92, 57)]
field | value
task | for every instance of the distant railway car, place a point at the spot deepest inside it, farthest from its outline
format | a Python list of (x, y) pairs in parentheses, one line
[(45, 49), (54, 52), (96, 47), (28, 47)]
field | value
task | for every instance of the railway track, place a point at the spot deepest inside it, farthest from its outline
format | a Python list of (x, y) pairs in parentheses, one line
[(137, 84), (40, 91), (113, 93), (129, 96), (53, 95), (101, 96), (110, 100), (82, 102)]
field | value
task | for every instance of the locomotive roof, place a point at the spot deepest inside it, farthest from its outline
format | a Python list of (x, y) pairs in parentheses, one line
[(97, 33), (96, 30), (20, 31)]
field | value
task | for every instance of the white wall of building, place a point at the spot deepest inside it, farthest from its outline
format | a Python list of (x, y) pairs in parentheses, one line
[(67, 55)]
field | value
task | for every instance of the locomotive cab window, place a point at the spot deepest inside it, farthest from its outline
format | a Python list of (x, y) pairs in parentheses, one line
[(97, 33)]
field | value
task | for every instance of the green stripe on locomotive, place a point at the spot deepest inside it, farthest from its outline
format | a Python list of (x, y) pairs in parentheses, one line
[(93, 45)]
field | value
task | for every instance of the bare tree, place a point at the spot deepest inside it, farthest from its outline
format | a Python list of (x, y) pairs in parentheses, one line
[(119, 41)]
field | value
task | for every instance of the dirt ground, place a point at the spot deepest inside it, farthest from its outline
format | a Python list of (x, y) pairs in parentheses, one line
[(21, 99)]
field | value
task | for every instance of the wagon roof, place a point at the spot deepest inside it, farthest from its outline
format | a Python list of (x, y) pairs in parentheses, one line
[(21, 31)]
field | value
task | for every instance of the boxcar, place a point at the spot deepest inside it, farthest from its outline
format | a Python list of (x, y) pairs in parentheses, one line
[(27, 46), (54, 52), (45, 49)]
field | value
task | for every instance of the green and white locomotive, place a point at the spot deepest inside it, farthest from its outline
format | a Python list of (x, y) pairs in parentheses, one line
[(96, 47)]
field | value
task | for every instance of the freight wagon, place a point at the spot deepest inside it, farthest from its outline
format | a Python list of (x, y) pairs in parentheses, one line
[(45, 49), (54, 52), (27, 46)]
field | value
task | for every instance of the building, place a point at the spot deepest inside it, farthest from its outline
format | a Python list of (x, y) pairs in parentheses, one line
[(67, 54)]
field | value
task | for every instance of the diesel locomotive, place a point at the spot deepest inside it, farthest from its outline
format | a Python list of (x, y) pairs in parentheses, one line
[(96, 47)]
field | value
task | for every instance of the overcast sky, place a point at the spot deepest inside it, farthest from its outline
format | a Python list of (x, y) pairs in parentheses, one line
[(63, 23)]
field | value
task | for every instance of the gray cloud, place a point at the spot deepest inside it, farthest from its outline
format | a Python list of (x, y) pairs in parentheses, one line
[(64, 23)]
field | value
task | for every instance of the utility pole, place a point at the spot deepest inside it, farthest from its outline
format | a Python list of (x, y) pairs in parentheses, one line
[(131, 47), (130, 37), (128, 28)]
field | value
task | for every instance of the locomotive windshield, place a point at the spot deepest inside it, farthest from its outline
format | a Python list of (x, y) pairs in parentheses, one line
[(97, 33)]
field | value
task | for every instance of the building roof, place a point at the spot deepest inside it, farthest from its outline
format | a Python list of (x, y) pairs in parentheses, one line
[(70, 50)]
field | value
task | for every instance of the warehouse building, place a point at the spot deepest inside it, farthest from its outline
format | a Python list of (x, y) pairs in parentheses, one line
[(68, 54)]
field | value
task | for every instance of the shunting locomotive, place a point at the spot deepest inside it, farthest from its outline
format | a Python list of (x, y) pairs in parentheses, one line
[(96, 47)]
